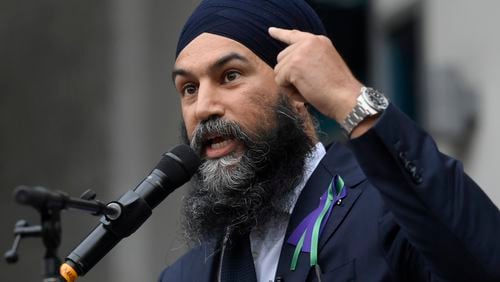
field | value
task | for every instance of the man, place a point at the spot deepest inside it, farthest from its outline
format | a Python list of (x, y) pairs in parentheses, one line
[(270, 203)]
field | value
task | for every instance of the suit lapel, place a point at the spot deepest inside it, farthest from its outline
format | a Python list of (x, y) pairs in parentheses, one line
[(338, 160), (203, 265), (211, 258)]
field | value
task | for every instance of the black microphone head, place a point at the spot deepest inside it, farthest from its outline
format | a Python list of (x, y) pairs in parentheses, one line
[(179, 164), (38, 197), (22, 194)]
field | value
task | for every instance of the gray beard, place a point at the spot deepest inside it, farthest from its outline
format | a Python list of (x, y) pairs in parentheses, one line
[(246, 192)]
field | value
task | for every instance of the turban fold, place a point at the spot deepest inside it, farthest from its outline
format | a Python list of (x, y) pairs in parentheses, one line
[(247, 22)]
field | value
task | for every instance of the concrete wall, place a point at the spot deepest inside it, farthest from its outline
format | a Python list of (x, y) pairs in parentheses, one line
[(54, 104), (86, 101), (463, 35)]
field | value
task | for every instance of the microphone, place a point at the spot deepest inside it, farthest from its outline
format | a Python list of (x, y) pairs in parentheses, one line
[(133, 209)]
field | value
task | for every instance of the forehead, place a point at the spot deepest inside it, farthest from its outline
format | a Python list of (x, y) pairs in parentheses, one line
[(208, 47)]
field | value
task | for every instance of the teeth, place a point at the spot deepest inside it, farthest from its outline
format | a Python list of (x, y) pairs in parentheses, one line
[(219, 144)]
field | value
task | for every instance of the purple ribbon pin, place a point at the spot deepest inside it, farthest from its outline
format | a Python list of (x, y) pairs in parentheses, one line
[(307, 223)]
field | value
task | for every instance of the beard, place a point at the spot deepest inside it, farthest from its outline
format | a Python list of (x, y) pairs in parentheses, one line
[(245, 191)]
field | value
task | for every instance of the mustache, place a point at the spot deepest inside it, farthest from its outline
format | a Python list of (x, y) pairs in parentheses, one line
[(217, 127)]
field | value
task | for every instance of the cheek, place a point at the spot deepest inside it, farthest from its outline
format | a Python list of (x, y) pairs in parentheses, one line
[(258, 112), (189, 123)]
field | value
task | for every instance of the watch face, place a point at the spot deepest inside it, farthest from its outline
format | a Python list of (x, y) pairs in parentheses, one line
[(376, 99)]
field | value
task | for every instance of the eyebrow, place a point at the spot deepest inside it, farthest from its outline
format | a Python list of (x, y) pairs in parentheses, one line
[(213, 67)]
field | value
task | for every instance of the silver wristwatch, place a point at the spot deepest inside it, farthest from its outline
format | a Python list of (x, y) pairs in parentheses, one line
[(370, 102)]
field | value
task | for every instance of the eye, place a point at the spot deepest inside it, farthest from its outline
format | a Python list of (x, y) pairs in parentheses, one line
[(189, 89), (231, 75)]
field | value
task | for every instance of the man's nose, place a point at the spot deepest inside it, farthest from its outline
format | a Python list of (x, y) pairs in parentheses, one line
[(208, 103)]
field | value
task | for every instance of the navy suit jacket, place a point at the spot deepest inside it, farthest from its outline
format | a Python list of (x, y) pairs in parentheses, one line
[(411, 214)]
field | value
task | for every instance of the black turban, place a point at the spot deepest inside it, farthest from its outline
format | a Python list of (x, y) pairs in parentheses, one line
[(247, 22)]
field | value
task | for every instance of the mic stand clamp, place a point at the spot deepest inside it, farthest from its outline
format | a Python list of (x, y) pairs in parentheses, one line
[(50, 231), (49, 204), (22, 229)]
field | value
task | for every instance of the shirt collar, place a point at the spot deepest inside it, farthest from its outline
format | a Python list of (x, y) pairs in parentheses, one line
[(312, 161)]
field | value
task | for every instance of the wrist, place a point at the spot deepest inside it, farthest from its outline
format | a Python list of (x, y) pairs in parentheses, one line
[(364, 126), (346, 100), (370, 103)]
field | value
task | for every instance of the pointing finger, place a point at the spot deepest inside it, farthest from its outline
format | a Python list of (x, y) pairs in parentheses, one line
[(287, 36)]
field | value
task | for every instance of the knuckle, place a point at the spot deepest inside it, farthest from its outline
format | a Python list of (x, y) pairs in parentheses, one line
[(322, 40), (310, 44), (295, 33)]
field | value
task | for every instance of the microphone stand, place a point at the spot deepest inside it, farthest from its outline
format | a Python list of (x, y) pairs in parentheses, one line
[(49, 204)]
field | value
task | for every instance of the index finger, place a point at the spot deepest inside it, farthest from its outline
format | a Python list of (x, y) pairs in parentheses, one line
[(288, 36)]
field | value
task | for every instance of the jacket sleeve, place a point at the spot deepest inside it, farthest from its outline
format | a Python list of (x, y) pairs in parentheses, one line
[(446, 218)]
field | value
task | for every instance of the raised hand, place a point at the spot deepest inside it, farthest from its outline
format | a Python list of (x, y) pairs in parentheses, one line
[(312, 66)]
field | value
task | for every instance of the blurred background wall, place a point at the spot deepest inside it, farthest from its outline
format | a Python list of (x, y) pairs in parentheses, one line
[(86, 101)]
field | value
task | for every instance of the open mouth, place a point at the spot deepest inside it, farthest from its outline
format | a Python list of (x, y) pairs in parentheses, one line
[(219, 146)]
